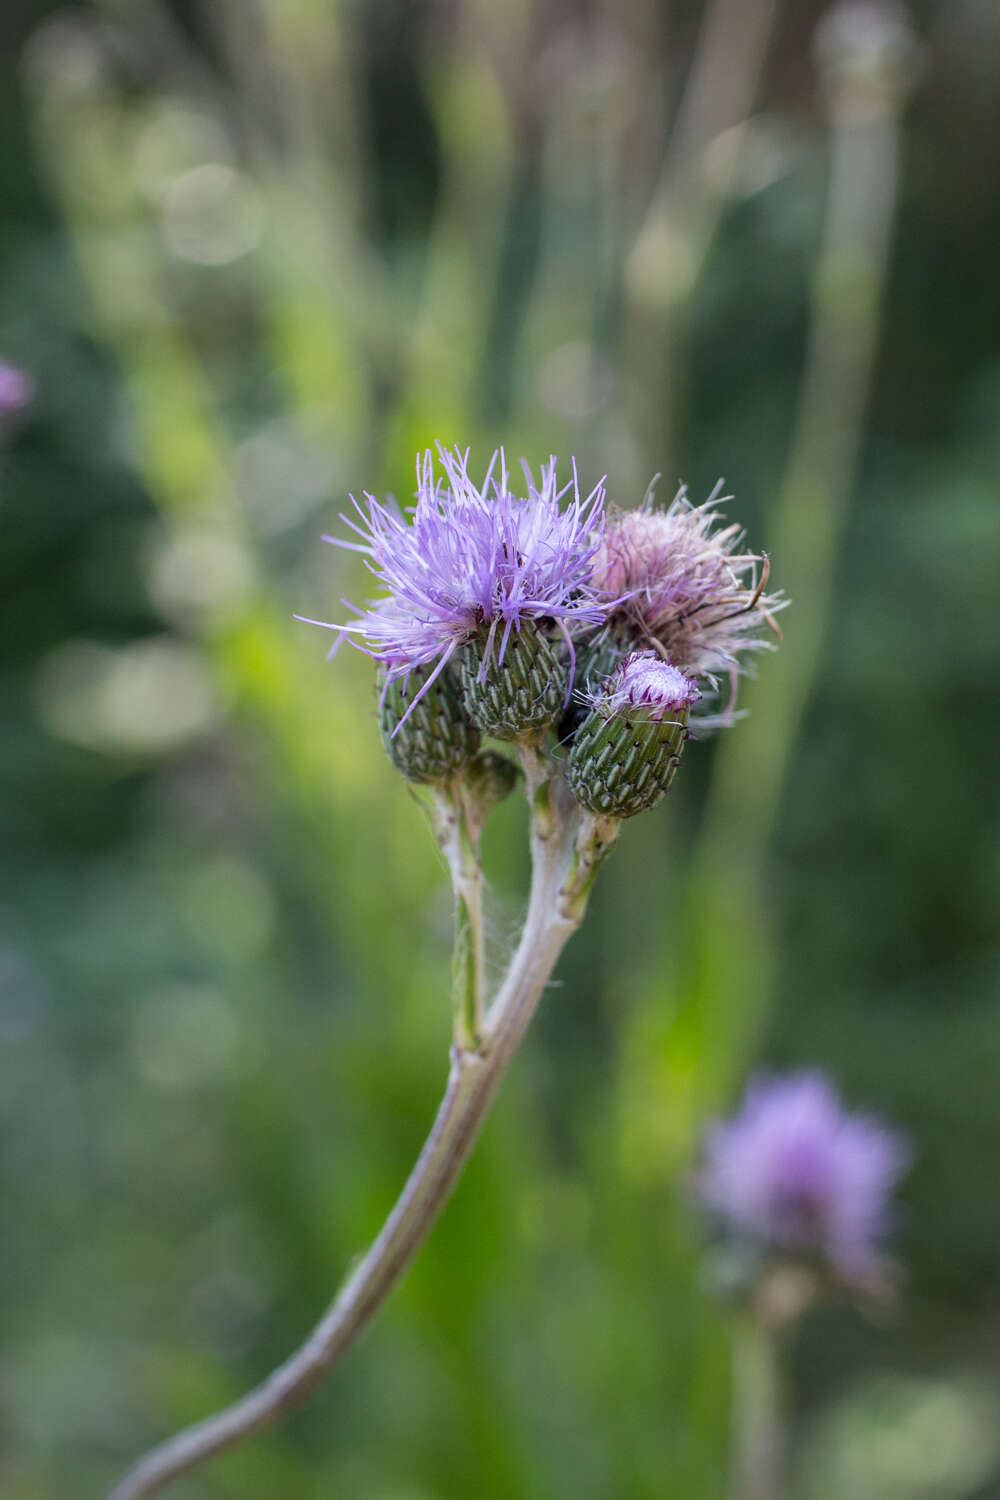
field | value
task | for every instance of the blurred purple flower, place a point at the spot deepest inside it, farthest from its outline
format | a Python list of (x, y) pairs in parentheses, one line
[(468, 558), (644, 682), (676, 582), (795, 1173), (17, 391)]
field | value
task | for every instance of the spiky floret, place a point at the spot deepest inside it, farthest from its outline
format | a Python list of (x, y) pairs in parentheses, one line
[(473, 563), (647, 688), (626, 752), (676, 580), (796, 1175)]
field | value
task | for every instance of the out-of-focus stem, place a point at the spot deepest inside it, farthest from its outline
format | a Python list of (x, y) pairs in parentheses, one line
[(722, 996), (684, 211), (566, 848), (758, 1422), (806, 524)]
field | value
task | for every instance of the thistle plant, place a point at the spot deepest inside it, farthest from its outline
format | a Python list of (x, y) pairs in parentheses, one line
[(581, 644), (797, 1193)]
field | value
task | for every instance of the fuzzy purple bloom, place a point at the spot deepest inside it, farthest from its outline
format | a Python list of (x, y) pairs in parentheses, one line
[(797, 1173), (677, 580), (646, 684), (472, 558)]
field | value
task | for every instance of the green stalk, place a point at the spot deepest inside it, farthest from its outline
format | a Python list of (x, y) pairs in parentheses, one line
[(566, 847), (758, 1419), (686, 208), (723, 987), (457, 834)]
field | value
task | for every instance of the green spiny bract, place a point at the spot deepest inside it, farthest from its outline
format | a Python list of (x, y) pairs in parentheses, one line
[(430, 740), (520, 697), (621, 766), (626, 752)]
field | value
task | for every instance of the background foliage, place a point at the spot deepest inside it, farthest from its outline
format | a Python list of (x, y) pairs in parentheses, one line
[(254, 256)]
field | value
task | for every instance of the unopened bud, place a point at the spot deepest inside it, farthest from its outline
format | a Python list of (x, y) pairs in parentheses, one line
[(491, 777), (626, 752), (430, 740)]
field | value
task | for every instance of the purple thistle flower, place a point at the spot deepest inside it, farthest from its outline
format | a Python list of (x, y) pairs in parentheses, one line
[(646, 684), (675, 582), (468, 558), (794, 1172)]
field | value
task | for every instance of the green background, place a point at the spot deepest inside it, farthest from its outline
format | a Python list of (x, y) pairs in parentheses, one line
[(255, 255)]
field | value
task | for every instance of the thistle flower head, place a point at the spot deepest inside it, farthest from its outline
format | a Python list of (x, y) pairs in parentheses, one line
[(646, 686), (676, 578), (470, 558), (798, 1176)]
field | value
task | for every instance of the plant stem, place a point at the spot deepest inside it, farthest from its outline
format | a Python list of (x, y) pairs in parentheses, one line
[(459, 843), (757, 1418), (567, 846)]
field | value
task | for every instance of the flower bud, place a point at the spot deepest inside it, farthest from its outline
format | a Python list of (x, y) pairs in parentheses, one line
[(628, 748), (490, 777), (434, 741), (519, 697)]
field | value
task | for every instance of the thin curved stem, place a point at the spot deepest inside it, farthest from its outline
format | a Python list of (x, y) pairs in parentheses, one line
[(567, 846)]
